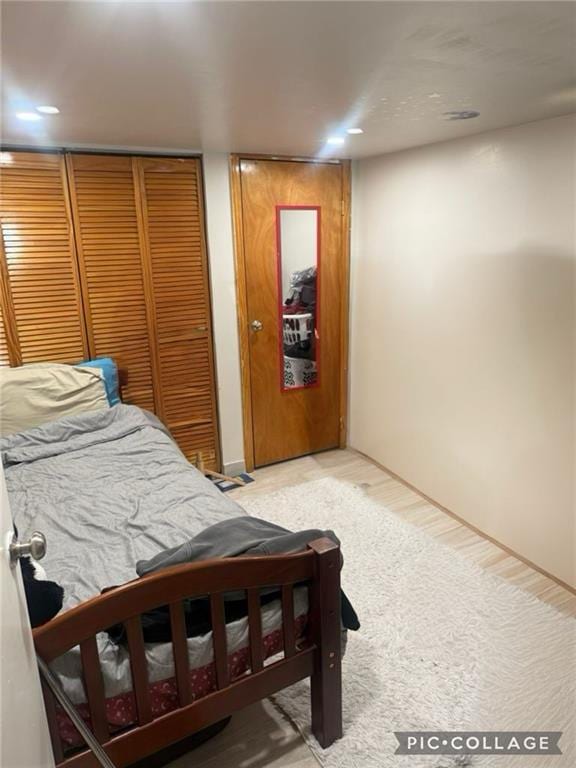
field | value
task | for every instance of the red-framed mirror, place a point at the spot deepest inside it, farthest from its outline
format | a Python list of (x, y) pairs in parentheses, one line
[(298, 254)]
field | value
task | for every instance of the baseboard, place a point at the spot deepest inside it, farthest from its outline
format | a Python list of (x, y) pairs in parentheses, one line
[(234, 468), (464, 522)]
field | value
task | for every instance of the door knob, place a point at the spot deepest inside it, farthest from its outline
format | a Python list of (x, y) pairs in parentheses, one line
[(256, 325), (35, 547)]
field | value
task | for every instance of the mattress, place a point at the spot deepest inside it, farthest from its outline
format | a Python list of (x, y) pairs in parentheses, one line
[(109, 488)]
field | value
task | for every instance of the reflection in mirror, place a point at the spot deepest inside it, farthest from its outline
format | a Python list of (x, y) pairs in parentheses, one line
[(298, 232)]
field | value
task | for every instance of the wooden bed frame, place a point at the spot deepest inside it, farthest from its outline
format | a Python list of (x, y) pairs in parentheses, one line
[(319, 658)]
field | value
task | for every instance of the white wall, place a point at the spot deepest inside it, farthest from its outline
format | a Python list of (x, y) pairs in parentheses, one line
[(222, 278), (462, 343)]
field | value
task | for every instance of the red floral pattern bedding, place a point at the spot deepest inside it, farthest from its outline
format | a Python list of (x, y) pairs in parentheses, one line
[(121, 710)]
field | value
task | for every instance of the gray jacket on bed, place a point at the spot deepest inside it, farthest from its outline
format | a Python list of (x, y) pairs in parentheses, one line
[(232, 538), (245, 536)]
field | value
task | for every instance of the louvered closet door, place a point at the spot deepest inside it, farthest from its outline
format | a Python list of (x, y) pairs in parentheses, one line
[(173, 223), (107, 220), (38, 259)]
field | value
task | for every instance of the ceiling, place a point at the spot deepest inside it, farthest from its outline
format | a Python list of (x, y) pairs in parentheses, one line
[(279, 77)]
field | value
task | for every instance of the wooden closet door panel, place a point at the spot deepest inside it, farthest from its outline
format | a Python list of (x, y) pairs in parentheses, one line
[(171, 193), (4, 356), (107, 224), (39, 259), (188, 399), (9, 345)]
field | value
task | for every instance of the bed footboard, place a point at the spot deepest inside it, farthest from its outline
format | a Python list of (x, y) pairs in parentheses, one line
[(319, 657)]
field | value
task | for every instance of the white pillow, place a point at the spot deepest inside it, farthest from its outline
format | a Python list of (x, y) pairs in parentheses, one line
[(31, 395)]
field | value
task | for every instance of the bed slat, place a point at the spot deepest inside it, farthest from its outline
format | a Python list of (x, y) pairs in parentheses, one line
[(94, 685), (50, 704), (288, 620), (219, 640), (139, 669), (255, 624), (180, 651)]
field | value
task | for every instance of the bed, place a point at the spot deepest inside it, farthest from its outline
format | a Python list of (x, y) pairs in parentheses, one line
[(109, 488)]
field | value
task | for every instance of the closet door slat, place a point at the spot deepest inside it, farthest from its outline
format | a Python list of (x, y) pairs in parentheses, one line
[(4, 356), (171, 197), (9, 344), (108, 224), (37, 230)]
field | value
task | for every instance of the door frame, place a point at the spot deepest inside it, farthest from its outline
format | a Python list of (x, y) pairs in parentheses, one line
[(242, 297)]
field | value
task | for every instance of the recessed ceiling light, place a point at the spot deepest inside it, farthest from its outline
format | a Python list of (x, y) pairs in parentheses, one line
[(354, 131), (464, 114), (434, 95), (335, 140), (48, 110), (30, 116)]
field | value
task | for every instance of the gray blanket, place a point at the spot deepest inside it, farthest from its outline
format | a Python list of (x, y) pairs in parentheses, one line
[(108, 488)]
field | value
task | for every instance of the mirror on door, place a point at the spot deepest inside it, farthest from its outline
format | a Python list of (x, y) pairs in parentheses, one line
[(298, 244)]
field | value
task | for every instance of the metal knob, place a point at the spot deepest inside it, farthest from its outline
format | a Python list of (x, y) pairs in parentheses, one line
[(35, 547), (256, 325)]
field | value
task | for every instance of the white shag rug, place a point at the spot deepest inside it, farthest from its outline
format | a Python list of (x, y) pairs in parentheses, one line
[(443, 644)]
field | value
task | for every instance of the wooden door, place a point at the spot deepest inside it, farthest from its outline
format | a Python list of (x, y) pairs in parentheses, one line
[(108, 226), (291, 418), (40, 294), (104, 255), (171, 195)]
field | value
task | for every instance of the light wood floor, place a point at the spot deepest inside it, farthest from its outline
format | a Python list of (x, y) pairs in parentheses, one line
[(259, 736)]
